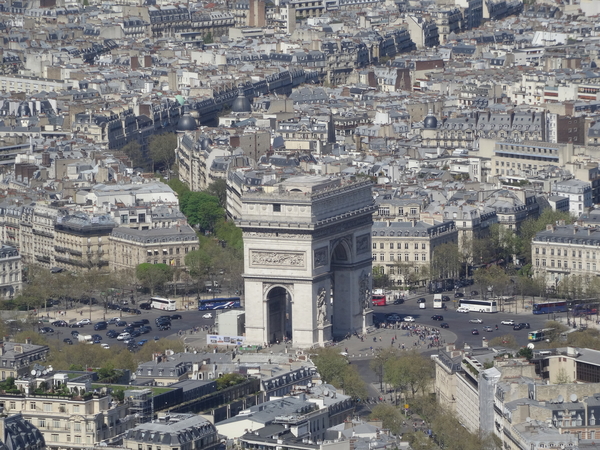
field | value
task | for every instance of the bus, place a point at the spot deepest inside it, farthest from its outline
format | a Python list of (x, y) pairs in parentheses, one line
[(489, 306), (538, 335), (550, 307), (585, 309), (378, 300), (438, 303), (163, 303), (219, 303)]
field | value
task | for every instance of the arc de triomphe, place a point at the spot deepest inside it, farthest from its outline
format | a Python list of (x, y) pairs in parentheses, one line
[(307, 260)]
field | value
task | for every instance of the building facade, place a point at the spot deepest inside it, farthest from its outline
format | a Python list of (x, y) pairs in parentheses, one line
[(11, 276)]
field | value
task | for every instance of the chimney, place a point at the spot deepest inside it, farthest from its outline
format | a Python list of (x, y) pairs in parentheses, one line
[(28, 340), (550, 227), (1, 348)]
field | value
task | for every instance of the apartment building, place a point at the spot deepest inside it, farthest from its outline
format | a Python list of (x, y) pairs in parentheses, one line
[(129, 247), (562, 250), (10, 277), (17, 358), (173, 432), (70, 416), (81, 241), (578, 192), (396, 244)]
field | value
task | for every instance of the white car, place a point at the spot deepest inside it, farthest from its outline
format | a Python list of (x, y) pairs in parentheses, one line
[(84, 322), (475, 321), (409, 319), (123, 336), (207, 316), (508, 322), (105, 346), (462, 309)]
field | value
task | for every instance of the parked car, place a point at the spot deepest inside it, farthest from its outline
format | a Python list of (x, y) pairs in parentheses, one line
[(123, 336), (444, 325), (409, 319), (144, 321), (146, 306), (60, 323), (75, 334), (164, 327), (135, 334), (421, 300), (76, 325), (96, 337), (156, 338), (142, 342), (105, 346), (113, 320), (476, 320), (508, 322), (121, 323), (100, 326), (459, 295), (68, 341), (126, 309), (112, 334), (45, 330), (84, 322), (474, 331), (462, 309), (488, 328), (437, 317), (135, 311)]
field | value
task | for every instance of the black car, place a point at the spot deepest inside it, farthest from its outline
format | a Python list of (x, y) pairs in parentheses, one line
[(164, 327), (398, 301), (176, 316), (121, 323), (74, 333), (68, 341), (525, 325), (128, 329), (437, 317), (135, 333), (100, 326), (146, 321), (112, 334), (445, 298), (475, 331), (60, 323), (135, 311), (421, 300), (444, 325), (474, 293), (393, 318), (45, 330), (459, 295), (145, 329), (76, 325), (518, 326), (145, 306), (96, 337), (126, 309)]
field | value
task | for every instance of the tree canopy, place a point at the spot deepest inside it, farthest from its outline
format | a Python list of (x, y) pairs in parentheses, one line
[(201, 209), (162, 150), (154, 276), (335, 370)]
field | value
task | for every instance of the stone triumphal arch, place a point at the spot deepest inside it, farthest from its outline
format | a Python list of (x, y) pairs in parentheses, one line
[(307, 260)]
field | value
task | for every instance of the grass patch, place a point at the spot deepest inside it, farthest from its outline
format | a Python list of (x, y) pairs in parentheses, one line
[(118, 387)]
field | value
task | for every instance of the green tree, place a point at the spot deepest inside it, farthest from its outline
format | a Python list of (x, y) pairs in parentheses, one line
[(162, 150), (491, 280), (208, 38), (335, 370), (389, 415), (446, 262), (133, 150), (378, 363), (530, 227), (201, 209), (178, 186), (410, 371), (154, 276), (218, 189)]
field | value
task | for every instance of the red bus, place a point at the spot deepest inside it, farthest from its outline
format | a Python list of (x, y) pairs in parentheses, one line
[(378, 300)]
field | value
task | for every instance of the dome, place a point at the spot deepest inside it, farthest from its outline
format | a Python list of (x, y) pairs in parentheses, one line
[(430, 121), (205, 143), (24, 110), (186, 123), (241, 104)]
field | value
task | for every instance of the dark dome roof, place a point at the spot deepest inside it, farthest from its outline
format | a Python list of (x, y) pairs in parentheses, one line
[(24, 110), (205, 143), (241, 104), (186, 123), (430, 121)]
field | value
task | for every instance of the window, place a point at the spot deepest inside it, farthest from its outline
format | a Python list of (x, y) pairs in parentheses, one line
[(374, 245), (406, 246), (48, 407), (416, 246), (12, 405), (406, 257), (391, 246), (537, 262), (75, 408), (416, 256), (56, 424), (381, 245), (54, 438), (424, 257), (537, 251), (552, 251), (32, 405), (77, 426), (413, 211), (391, 256), (543, 263), (423, 246), (42, 423), (78, 439), (276, 207)]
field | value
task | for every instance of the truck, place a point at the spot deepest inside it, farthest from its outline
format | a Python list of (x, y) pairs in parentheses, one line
[(86, 339), (438, 302)]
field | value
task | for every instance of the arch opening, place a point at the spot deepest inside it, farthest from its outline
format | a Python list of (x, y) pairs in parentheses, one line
[(279, 312)]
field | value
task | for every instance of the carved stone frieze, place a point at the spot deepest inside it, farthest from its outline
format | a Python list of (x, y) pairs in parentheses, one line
[(285, 259)]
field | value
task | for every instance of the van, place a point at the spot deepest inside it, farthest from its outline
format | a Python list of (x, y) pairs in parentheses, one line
[(123, 336), (422, 305)]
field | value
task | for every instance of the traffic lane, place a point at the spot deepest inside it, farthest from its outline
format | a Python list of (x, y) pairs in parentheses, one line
[(459, 322), (189, 320)]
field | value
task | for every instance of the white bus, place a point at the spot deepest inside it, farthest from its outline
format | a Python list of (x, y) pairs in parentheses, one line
[(163, 303), (438, 303), (489, 306)]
